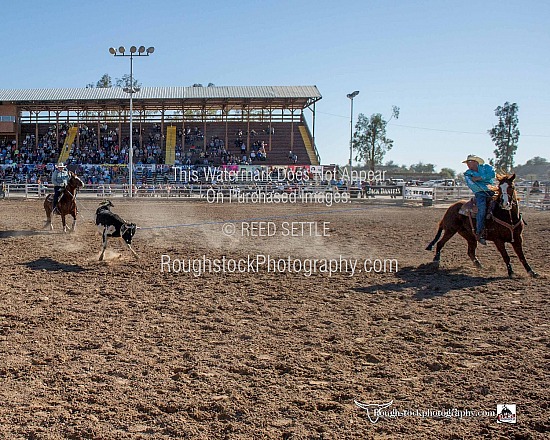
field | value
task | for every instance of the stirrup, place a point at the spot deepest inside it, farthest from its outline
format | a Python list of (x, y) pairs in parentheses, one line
[(480, 239)]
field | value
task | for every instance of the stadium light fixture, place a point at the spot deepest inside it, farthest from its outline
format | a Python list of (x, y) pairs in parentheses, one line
[(351, 96), (130, 89)]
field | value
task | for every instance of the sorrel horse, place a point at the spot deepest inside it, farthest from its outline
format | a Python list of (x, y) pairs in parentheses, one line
[(66, 205), (505, 226)]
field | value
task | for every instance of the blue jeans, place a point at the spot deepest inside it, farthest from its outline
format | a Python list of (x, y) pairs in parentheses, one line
[(481, 200), (56, 192)]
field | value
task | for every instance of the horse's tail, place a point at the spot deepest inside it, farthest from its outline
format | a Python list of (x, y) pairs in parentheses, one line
[(437, 237)]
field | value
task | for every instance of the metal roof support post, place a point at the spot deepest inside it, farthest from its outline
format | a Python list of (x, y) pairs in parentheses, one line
[(98, 135), (141, 116), (35, 133), (78, 129), (313, 134), (248, 130), (204, 128), (270, 125), (182, 132), (292, 128), (56, 129), (162, 137), (225, 113)]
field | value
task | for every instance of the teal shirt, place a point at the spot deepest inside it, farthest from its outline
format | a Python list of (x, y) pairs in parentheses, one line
[(60, 178), (487, 174)]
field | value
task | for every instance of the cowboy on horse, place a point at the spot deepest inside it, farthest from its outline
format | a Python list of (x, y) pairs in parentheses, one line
[(479, 177), (506, 225), (64, 198), (60, 178)]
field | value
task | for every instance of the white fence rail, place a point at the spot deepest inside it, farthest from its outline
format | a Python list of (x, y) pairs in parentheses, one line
[(437, 195)]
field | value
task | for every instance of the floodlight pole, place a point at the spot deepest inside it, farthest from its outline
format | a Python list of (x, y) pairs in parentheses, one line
[(131, 149), (351, 96), (131, 90)]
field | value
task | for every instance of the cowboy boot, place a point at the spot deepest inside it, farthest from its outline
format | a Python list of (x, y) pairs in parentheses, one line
[(481, 239)]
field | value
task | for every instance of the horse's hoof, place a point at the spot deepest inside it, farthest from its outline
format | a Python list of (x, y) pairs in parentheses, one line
[(533, 274), (478, 264)]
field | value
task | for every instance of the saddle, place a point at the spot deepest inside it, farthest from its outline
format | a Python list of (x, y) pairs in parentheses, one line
[(469, 209)]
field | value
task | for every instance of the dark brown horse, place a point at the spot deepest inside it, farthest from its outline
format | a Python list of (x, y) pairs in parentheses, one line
[(505, 226), (66, 205)]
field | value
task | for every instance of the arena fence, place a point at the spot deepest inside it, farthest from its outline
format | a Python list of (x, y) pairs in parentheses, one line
[(427, 196)]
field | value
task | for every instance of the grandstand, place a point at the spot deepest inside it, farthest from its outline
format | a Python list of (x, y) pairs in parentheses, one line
[(172, 126)]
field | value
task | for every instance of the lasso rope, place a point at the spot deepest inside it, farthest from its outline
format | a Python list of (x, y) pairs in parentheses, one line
[(221, 222)]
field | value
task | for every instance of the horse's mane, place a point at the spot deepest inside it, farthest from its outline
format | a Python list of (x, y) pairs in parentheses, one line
[(503, 176)]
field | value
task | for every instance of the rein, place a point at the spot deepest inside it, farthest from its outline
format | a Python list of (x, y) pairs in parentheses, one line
[(511, 226), (72, 194)]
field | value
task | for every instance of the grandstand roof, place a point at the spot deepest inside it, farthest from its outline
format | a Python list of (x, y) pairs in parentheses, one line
[(166, 96)]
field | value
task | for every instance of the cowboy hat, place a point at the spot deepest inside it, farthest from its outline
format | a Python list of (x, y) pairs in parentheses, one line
[(61, 165), (475, 158)]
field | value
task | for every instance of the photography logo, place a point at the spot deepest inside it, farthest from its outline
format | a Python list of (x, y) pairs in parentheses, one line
[(506, 413), (373, 409)]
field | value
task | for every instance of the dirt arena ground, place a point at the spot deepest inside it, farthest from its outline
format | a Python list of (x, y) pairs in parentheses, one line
[(121, 350)]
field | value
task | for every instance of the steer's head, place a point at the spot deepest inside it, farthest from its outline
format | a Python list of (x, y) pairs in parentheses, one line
[(106, 204), (127, 231)]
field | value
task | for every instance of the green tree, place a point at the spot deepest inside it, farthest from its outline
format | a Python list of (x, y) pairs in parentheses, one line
[(537, 166), (447, 173), (104, 82), (505, 135), (537, 160), (422, 167), (370, 140), (125, 82)]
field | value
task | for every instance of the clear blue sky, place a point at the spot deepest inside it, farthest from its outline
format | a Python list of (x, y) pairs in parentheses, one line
[(446, 64)]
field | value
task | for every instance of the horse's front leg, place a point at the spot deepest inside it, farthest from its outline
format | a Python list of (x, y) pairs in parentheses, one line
[(518, 248), (74, 223), (64, 223), (501, 246), (48, 221)]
